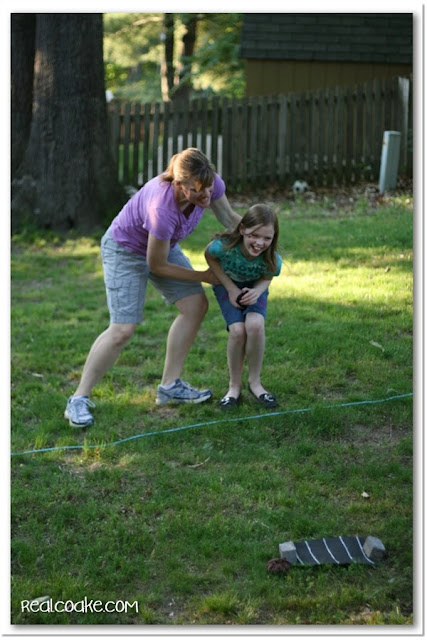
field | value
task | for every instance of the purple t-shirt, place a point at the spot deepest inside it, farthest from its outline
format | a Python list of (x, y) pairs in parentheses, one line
[(154, 210)]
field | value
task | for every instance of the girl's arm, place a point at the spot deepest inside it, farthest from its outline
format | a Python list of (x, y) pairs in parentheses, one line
[(215, 266), (157, 260)]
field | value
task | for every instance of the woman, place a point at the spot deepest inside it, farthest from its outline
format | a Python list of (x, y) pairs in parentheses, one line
[(140, 245)]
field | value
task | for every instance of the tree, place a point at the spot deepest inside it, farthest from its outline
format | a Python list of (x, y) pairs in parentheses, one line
[(67, 177), (23, 33), (132, 55), (196, 54), (167, 68), (217, 66), (185, 84)]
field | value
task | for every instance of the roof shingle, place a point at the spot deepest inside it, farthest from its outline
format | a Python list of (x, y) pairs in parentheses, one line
[(373, 37)]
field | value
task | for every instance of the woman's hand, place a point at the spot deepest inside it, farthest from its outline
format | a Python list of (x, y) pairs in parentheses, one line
[(210, 277)]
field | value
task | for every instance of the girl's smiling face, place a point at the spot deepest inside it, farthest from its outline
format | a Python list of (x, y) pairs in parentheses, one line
[(256, 240)]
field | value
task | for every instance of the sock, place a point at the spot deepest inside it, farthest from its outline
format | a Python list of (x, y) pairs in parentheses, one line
[(166, 387)]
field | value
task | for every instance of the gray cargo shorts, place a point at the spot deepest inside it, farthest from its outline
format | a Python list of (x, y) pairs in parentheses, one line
[(126, 275)]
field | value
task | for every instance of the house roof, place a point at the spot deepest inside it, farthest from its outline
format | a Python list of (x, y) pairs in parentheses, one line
[(352, 37)]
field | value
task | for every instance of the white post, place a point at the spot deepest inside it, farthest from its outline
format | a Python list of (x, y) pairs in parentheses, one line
[(389, 161)]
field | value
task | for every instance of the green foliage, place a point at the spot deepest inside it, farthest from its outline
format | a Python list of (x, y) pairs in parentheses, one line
[(185, 522), (133, 53), (218, 68)]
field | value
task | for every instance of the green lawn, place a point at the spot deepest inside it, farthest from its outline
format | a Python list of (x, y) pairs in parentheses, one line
[(184, 520)]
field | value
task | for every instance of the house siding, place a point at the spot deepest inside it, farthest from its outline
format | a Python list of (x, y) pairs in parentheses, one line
[(298, 52), (267, 77)]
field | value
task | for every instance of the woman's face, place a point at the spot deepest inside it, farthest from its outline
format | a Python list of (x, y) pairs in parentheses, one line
[(256, 239), (193, 191)]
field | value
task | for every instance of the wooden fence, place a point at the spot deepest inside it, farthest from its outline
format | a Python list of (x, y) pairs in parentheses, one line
[(326, 137)]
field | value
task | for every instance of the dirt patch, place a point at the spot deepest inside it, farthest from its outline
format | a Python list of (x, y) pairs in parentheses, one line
[(380, 435), (334, 198)]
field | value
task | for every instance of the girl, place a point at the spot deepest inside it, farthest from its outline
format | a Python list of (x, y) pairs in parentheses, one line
[(245, 261)]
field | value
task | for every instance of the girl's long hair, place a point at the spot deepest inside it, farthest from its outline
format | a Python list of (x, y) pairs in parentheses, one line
[(258, 215), (190, 163)]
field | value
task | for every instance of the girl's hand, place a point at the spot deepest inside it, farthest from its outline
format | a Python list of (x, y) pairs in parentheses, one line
[(250, 297), (233, 294)]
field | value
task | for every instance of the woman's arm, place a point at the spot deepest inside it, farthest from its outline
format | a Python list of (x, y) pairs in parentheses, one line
[(224, 213), (157, 260)]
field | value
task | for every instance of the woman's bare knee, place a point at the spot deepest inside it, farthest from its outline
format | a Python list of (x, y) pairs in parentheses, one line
[(121, 333), (193, 306)]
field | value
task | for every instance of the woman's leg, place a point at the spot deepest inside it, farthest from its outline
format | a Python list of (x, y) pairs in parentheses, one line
[(255, 345), (235, 357), (104, 352), (192, 309)]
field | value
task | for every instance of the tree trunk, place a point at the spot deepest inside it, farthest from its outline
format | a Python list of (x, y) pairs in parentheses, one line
[(182, 91), (167, 70), (67, 159), (23, 33)]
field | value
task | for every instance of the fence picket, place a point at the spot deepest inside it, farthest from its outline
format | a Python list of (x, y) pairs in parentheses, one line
[(262, 140), (204, 124), (358, 143), (226, 174), (310, 148), (388, 108), (156, 130), (339, 128), (331, 162), (136, 136), (165, 145), (243, 149), (126, 142), (292, 118), (274, 110), (300, 141), (283, 112), (328, 137), (252, 128), (377, 122), (115, 136), (321, 136), (146, 142), (367, 132), (234, 167), (349, 136), (403, 118), (194, 122), (214, 132)]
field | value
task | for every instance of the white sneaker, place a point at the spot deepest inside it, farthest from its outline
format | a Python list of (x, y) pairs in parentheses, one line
[(182, 392), (77, 411)]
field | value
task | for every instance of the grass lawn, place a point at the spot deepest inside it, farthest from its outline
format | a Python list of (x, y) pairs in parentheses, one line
[(184, 520)]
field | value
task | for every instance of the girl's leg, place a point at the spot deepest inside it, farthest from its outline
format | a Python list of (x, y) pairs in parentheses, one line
[(235, 357), (104, 352), (192, 310), (255, 344)]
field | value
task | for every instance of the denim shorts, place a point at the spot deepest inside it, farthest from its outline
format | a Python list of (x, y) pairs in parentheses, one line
[(126, 275), (232, 314)]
